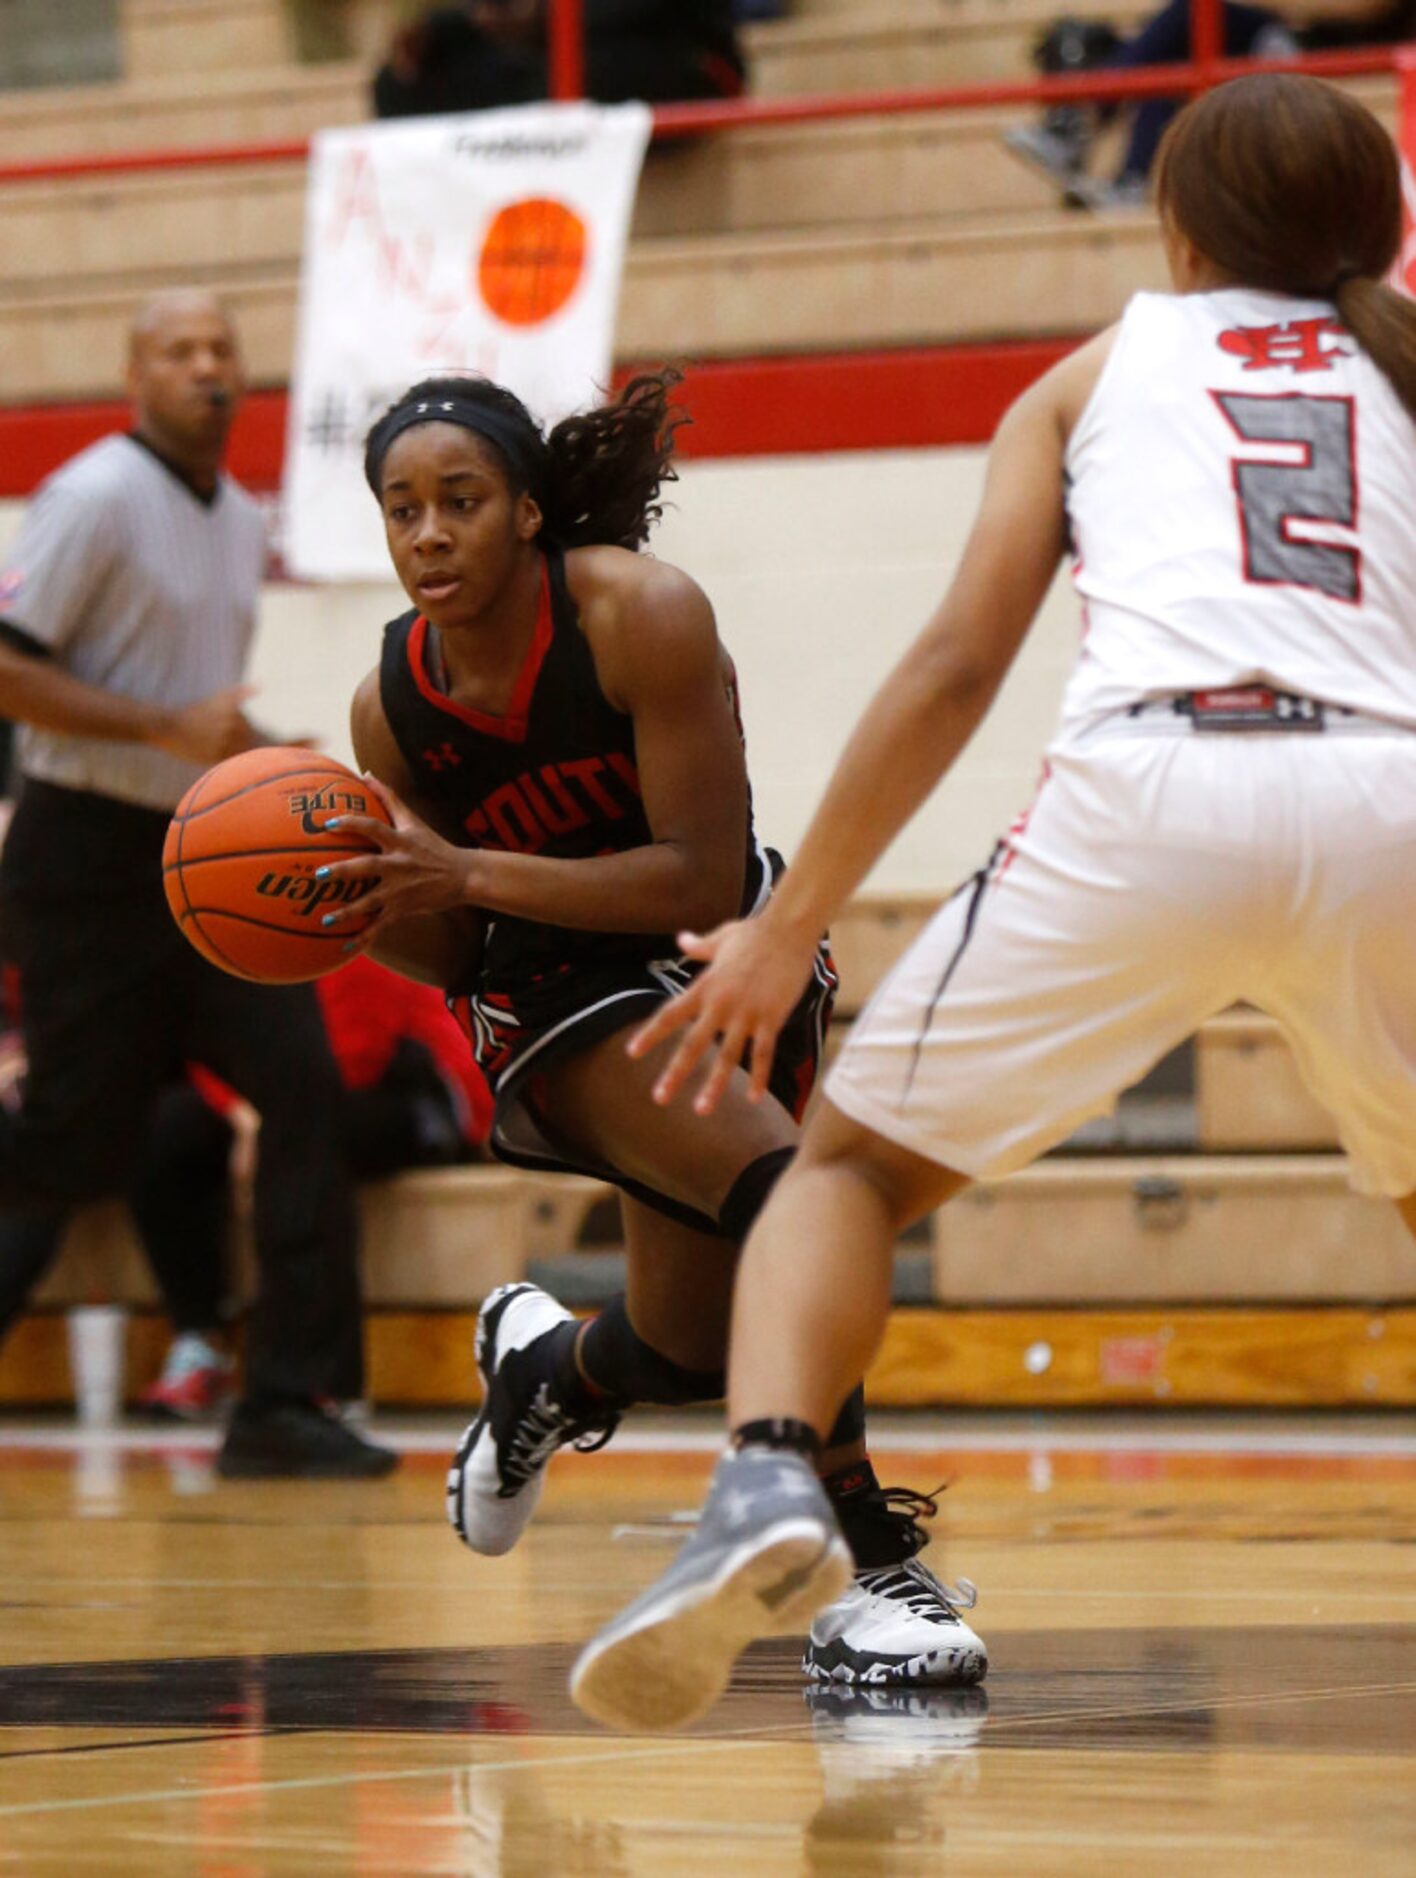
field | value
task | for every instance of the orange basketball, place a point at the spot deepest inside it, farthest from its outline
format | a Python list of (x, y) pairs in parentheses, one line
[(532, 260), (240, 858)]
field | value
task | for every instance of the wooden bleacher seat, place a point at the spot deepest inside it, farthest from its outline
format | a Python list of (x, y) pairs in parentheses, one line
[(236, 107), (162, 37), (1198, 1230), (895, 44), (432, 1238), (1248, 1093)]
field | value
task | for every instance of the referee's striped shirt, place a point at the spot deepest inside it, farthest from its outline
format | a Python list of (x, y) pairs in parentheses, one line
[(135, 583)]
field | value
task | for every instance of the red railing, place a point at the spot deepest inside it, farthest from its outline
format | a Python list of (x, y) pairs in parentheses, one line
[(567, 68)]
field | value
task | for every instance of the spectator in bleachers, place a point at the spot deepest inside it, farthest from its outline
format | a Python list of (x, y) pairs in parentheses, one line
[(484, 53), (1061, 143), (126, 609)]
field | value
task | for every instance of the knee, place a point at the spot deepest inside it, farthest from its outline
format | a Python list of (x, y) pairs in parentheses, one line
[(903, 1185)]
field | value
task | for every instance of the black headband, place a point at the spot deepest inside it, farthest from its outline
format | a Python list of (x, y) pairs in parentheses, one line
[(519, 441)]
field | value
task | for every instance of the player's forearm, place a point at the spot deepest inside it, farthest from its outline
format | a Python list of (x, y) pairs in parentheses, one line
[(35, 691), (659, 888), (439, 949)]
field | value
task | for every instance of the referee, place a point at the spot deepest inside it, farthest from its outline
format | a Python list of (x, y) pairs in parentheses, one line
[(126, 611)]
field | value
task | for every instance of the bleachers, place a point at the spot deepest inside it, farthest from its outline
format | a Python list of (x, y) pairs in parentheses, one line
[(882, 231)]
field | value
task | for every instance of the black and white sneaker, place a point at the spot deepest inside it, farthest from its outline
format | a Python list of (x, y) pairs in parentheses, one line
[(498, 1471), (897, 1625), (766, 1554)]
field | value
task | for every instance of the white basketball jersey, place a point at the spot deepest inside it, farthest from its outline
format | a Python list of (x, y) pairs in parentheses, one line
[(1242, 494)]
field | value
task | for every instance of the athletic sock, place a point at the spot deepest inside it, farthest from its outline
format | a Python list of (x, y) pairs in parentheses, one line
[(783, 1432), (615, 1360), (573, 1390), (849, 1482)]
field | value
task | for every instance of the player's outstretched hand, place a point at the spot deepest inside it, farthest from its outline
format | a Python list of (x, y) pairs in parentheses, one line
[(411, 870), (754, 978)]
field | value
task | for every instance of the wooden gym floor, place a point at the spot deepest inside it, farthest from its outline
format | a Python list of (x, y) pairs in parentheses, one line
[(1204, 1661)]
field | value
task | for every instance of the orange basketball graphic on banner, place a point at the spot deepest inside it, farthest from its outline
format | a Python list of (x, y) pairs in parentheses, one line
[(532, 260)]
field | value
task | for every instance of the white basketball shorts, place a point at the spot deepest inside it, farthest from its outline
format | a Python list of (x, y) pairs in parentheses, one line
[(1157, 880)]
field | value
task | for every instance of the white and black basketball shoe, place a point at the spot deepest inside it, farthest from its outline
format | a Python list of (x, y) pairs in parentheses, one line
[(498, 1471), (896, 1625)]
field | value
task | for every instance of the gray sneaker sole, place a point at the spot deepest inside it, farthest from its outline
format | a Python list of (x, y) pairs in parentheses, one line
[(670, 1662)]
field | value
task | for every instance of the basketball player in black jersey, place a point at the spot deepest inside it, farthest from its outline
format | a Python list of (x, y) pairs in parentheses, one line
[(555, 725)]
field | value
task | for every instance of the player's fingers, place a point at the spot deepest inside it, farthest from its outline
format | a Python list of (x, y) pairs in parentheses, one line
[(729, 1055), (392, 801), (366, 907), (764, 1050), (354, 869), (698, 1040), (369, 826), (672, 1015)]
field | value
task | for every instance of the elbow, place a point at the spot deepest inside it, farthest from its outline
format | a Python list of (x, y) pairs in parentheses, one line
[(709, 894), (958, 682)]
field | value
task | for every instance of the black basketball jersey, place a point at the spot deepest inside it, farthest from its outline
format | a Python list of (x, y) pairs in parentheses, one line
[(555, 775)]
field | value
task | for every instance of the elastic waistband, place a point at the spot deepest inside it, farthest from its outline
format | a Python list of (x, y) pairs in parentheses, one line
[(1245, 709)]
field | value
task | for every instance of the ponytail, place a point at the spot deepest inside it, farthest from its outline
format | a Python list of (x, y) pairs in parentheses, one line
[(1383, 322), (605, 467)]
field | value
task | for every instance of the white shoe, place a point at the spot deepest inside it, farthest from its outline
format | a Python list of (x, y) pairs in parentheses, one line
[(499, 1469), (897, 1625), (1059, 154)]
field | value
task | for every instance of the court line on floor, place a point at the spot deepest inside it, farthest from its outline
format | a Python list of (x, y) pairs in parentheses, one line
[(619, 1753), (1301, 1444)]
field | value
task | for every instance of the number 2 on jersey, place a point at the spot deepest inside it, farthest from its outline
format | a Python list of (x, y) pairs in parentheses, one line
[(1321, 487)]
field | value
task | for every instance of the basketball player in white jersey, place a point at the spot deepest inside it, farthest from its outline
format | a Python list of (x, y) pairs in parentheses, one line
[(1229, 812)]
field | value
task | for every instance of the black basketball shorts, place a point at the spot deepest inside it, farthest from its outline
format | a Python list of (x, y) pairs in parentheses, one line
[(519, 1036)]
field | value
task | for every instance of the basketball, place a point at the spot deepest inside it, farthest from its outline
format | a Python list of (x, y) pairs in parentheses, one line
[(532, 260), (240, 859)]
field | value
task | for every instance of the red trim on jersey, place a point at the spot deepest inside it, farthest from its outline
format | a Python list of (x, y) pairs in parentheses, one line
[(511, 726), (1019, 826)]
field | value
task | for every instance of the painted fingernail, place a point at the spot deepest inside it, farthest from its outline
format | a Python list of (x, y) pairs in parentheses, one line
[(321, 872), (328, 919), (333, 821)]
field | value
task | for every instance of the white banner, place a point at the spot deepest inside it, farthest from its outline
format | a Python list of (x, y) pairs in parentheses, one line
[(491, 242)]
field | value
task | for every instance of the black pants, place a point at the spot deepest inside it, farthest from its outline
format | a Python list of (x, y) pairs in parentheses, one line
[(468, 73), (180, 1198), (114, 1003)]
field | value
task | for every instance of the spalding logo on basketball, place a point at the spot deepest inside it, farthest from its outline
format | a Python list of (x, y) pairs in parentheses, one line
[(241, 856)]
